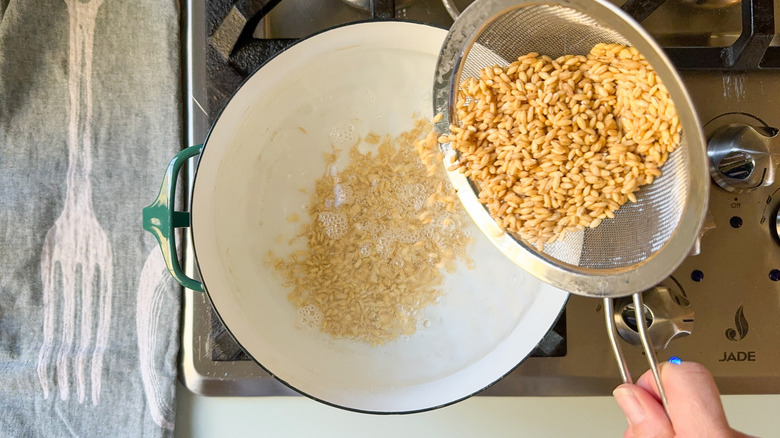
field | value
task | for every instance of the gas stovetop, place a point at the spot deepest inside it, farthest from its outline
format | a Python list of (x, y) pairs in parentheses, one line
[(719, 308)]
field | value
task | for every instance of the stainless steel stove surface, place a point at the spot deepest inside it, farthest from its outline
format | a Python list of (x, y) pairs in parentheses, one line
[(726, 298)]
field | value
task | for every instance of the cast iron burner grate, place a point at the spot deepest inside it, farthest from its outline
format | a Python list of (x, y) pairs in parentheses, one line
[(225, 348), (233, 53)]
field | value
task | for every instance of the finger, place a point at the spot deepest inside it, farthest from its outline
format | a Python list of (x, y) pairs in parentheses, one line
[(645, 414), (693, 398), (647, 381)]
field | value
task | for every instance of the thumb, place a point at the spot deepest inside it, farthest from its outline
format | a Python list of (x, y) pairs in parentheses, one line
[(694, 401), (645, 414)]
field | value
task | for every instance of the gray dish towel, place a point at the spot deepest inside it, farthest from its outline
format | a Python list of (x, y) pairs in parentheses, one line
[(89, 116)]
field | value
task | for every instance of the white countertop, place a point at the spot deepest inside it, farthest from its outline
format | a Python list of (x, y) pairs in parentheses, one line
[(494, 417)]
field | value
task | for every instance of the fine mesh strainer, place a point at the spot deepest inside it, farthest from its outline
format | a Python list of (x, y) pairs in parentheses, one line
[(646, 240)]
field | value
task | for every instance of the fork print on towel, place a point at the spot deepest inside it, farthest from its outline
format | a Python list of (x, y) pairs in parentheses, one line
[(76, 260), (153, 295)]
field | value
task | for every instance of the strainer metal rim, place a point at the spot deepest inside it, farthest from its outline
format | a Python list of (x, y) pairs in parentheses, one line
[(616, 282)]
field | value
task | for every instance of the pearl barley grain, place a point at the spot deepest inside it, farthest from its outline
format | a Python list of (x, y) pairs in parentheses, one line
[(381, 233), (558, 145)]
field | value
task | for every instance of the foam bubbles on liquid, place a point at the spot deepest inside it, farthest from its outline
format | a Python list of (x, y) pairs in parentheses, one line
[(414, 194), (310, 316), (432, 234), (334, 224), (341, 194), (344, 135), (382, 248), (411, 236)]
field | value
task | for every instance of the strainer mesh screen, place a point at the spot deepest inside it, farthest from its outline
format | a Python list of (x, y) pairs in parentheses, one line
[(639, 229)]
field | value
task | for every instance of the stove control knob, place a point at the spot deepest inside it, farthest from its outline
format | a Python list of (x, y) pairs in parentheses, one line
[(709, 224), (667, 312), (741, 157), (777, 224)]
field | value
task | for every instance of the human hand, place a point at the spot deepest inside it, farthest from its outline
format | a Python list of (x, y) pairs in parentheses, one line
[(695, 409)]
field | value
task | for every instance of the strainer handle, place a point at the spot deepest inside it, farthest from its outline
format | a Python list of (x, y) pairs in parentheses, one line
[(609, 311), (639, 305), (647, 345)]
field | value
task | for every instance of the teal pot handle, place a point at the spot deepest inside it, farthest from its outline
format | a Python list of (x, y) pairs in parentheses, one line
[(160, 218)]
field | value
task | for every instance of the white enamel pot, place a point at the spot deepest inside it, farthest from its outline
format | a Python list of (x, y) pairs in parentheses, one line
[(263, 152)]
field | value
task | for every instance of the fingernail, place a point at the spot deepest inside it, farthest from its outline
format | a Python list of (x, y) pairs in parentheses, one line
[(675, 360), (629, 404)]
